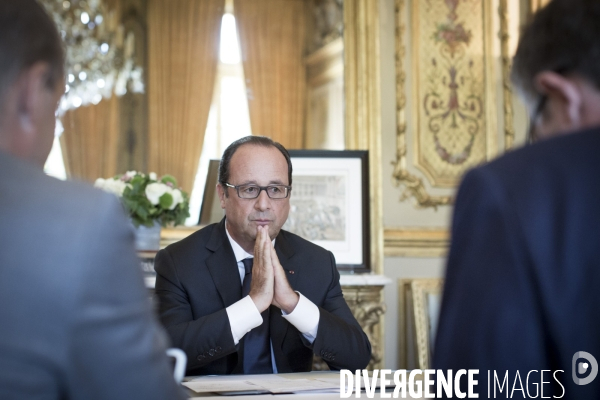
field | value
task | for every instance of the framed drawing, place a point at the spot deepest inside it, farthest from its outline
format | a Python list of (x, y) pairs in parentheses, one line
[(329, 204), (210, 210)]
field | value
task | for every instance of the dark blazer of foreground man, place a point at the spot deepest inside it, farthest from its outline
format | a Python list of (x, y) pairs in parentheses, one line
[(523, 276), (197, 278), (75, 321)]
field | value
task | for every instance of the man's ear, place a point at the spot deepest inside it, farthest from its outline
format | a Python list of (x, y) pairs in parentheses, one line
[(562, 92), (32, 93), (221, 193), (24, 107)]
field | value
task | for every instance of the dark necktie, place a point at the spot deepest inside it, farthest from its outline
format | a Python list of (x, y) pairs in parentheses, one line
[(257, 345)]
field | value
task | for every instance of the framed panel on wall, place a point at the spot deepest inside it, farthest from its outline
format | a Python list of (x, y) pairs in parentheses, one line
[(210, 210), (329, 204), (448, 110), (454, 109)]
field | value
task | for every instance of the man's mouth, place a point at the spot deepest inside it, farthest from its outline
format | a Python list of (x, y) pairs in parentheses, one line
[(262, 222)]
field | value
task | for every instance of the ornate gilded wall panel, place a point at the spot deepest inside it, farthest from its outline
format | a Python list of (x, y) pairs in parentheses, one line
[(447, 112)]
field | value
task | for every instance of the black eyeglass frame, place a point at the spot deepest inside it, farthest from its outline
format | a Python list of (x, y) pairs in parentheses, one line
[(536, 114), (288, 189), (540, 107)]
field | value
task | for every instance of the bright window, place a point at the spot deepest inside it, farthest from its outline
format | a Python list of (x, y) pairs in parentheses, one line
[(229, 119), (55, 165)]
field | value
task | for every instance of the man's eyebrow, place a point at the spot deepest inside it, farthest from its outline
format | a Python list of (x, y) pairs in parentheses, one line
[(254, 182)]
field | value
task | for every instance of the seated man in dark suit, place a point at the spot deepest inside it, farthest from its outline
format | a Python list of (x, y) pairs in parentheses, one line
[(244, 296), (523, 275), (75, 320)]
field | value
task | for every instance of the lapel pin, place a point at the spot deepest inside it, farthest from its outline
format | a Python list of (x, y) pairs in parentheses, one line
[(291, 271)]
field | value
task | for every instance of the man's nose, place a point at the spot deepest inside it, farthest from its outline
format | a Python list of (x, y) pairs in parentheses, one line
[(263, 202)]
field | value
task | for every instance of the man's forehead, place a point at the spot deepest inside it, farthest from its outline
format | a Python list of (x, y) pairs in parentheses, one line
[(257, 163)]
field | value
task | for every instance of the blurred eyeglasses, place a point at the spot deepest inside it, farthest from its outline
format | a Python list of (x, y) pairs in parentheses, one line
[(531, 135), (253, 191)]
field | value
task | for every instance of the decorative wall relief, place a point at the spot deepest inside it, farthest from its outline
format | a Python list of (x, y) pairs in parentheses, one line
[(451, 92), (328, 22), (366, 305), (452, 104)]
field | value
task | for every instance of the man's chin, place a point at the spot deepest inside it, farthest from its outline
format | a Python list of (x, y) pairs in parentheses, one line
[(274, 231)]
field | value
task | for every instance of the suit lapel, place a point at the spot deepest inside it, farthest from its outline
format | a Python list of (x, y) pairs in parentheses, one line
[(223, 267), (284, 254)]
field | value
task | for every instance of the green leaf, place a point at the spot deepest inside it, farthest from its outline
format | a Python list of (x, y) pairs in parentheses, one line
[(137, 181), (165, 201), (142, 212), (169, 178)]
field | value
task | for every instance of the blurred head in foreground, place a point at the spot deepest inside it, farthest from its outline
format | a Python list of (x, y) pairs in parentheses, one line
[(31, 79), (556, 68)]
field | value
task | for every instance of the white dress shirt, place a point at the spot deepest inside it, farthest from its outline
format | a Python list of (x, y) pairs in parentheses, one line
[(244, 316)]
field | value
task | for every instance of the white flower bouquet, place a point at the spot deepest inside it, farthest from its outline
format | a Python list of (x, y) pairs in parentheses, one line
[(148, 199)]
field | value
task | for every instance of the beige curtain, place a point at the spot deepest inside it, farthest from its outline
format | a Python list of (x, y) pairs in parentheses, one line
[(272, 39), (183, 49), (90, 139)]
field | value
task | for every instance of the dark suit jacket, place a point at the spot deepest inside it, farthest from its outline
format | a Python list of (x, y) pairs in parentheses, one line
[(522, 287), (197, 278), (75, 320)]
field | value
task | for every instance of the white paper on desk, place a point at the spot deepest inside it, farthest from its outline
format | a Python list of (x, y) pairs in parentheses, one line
[(278, 384), (332, 379), (216, 385)]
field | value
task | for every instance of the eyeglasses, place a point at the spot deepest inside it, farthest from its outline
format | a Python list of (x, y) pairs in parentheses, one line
[(253, 191), (531, 136)]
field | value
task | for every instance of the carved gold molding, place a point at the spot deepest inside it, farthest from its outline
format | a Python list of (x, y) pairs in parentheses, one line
[(363, 111), (413, 186), (509, 129), (416, 242), (366, 305)]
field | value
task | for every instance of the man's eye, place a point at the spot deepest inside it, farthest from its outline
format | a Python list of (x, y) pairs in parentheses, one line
[(274, 189), (249, 189)]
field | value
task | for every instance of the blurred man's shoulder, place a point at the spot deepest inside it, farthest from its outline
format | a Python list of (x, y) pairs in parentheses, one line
[(569, 152), (31, 195)]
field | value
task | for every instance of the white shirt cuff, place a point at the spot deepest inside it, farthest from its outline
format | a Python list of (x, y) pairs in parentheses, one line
[(243, 317), (305, 318)]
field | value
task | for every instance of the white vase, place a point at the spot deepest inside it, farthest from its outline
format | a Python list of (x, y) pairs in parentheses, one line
[(147, 238)]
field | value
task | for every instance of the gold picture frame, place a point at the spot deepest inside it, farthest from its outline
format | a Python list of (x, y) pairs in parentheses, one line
[(419, 304)]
